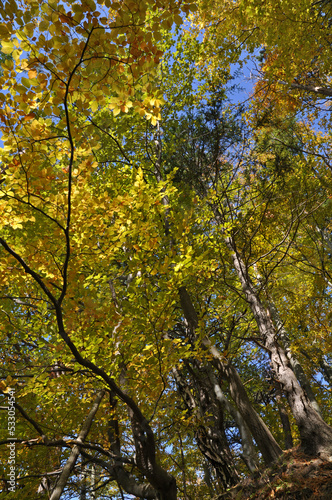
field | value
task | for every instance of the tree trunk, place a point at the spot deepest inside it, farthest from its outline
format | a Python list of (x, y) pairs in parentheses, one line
[(83, 484), (210, 438), (212, 443), (265, 441), (248, 451), (71, 461), (316, 435), (93, 482), (162, 484), (293, 361), (284, 420)]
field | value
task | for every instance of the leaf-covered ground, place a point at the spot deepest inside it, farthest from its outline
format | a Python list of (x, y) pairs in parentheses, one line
[(294, 477)]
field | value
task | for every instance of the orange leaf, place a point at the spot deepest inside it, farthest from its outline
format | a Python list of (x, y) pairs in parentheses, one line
[(32, 73), (29, 117)]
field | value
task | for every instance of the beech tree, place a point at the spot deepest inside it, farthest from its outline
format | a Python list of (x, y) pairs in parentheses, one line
[(152, 236)]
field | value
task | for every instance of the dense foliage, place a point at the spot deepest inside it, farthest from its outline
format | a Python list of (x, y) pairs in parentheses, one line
[(165, 244)]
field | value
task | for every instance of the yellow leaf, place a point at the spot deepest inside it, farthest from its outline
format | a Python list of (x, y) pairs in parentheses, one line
[(7, 47), (43, 26), (94, 106), (154, 120)]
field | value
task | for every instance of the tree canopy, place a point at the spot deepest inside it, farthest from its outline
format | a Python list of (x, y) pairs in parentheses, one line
[(165, 246)]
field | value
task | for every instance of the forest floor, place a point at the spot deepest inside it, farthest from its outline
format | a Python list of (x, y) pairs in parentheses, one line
[(294, 477)]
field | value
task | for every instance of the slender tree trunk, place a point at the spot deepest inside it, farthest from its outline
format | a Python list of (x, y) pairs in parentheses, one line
[(327, 371), (265, 441), (284, 420), (93, 482), (248, 451), (316, 435), (293, 361), (207, 478), (70, 464), (200, 400), (83, 484), (183, 470)]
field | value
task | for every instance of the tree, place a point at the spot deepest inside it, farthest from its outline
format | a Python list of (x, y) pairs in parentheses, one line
[(87, 59), (293, 40), (146, 241)]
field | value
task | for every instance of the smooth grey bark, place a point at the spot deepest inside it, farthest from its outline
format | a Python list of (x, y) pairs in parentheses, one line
[(248, 451), (315, 434), (293, 361), (93, 482), (264, 439), (70, 464), (327, 370)]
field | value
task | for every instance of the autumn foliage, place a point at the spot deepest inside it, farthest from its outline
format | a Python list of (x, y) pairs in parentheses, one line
[(165, 274)]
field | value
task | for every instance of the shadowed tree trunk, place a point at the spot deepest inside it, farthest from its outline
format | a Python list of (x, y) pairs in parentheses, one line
[(162, 484), (284, 419), (199, 398), (265, 441), (248, 451)]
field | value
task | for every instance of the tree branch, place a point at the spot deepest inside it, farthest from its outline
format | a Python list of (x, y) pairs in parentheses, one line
[(68, 467)]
